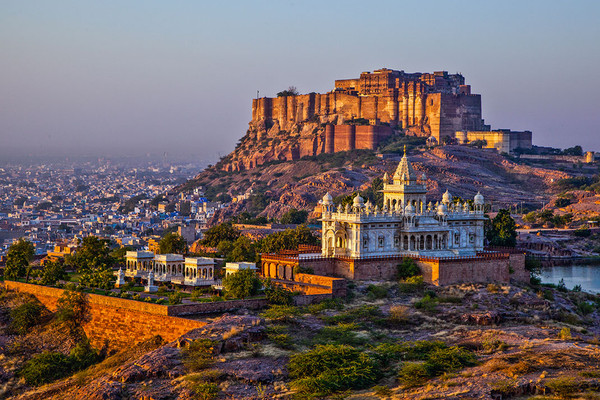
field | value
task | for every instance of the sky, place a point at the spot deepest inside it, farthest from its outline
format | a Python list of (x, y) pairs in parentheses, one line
[(136, 77)]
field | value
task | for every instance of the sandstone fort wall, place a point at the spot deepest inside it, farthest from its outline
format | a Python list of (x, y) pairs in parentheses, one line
[(117, 322), (444, 113)]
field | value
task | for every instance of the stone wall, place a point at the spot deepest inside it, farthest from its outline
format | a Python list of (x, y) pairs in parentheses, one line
[(443, 113), (117, 322)]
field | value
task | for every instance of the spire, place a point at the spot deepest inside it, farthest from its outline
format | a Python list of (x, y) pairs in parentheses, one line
[(405, 171)]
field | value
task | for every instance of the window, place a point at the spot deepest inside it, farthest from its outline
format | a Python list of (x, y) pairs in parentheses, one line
[(457, 238), (471, 238), (397, 241), (381, 241)]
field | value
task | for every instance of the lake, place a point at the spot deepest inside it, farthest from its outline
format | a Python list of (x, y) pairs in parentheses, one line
[(588, 276)]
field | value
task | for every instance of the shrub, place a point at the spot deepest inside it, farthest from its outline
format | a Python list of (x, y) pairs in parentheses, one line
[(83, 355), (411, 284), (382, 391), (276, 294), (585, 308), (399, 314), (408, 268), (45, 367), (331, 368), (25, 317), (281, 313), (449, 359), (563, 385), (565, 334), (339, 334), (205, 390), (328, 304), (493, 288), (198, 355), (175, 298), (413, 374), (72, 308), (376, 292), (362, 313), (281, 340), (427, 303)]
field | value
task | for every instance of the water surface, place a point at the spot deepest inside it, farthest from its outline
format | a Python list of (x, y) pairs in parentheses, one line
[(588, 276)]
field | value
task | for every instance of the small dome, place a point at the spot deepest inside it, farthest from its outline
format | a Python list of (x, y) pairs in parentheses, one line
[(386, 178), (327, 199), (410, 209), (478, 199), (358, 201), (441, 209), (447, 197)]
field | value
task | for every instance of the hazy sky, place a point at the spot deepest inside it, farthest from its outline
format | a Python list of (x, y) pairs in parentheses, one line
[(179, 76)]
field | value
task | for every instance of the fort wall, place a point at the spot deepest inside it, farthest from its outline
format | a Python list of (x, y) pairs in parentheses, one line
[(116, 322), (444, 113), (501, 267)]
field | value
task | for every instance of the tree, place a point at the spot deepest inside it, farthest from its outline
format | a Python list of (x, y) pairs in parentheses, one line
[(289, 239), (290, 91), (242, 284), (243, 250), (172, 243), (18, 257), (52, 272), (218, 233), (72, 308), (92, 253), (502, 230), (573, 151), (294, 216)]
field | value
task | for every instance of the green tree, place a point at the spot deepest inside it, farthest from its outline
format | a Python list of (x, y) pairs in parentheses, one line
[(408, 268), (91, 254), (294, 216), (243, 250), (289, 239), (172, 243), (502, 230), (290, 91), (118, 254), (218, 233), (242, 284), (18, 257), (52, 272), (72, 308)]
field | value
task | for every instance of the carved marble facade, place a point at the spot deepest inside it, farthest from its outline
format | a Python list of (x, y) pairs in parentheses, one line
[(404, 224)]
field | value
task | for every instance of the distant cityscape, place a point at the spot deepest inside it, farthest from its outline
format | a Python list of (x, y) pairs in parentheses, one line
[(54, 205)]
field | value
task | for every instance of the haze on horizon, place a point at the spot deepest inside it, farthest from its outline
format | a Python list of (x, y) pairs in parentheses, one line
[(116, 78)]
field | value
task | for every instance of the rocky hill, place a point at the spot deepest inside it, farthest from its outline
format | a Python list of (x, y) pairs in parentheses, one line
[(278, 186), (386, 341)]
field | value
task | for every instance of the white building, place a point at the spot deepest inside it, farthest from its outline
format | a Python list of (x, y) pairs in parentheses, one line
[(404, 224), (170, 268), (233, 267)]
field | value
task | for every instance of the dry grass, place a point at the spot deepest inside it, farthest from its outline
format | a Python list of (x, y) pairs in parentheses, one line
[(235, 330)]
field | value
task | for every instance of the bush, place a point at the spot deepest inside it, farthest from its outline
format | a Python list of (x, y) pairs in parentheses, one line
[(331, 368), (565, 333), (413, 374), (563, 385), (205, 390), (281, 340), (198, 355), (339, 334), (175, 298), (276, 294), (449, 359), (45, 367), (408, 268), (427, 303), (25, 317), (281, 313), (241, 284), (376, 292), (72, 308)]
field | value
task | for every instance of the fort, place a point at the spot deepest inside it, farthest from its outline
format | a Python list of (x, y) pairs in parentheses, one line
[(436, 104), (362, 113)]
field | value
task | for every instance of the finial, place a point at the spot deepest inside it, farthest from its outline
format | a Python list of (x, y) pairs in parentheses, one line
[(404, 150)]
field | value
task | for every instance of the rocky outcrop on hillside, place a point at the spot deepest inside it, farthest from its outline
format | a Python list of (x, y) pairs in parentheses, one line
[(263, 144), (462, 170)]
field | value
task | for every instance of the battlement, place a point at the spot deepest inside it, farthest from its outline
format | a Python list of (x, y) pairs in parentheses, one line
[(436, 104)]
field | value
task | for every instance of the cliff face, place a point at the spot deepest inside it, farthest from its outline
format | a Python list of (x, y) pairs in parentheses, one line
[(267, 141)]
